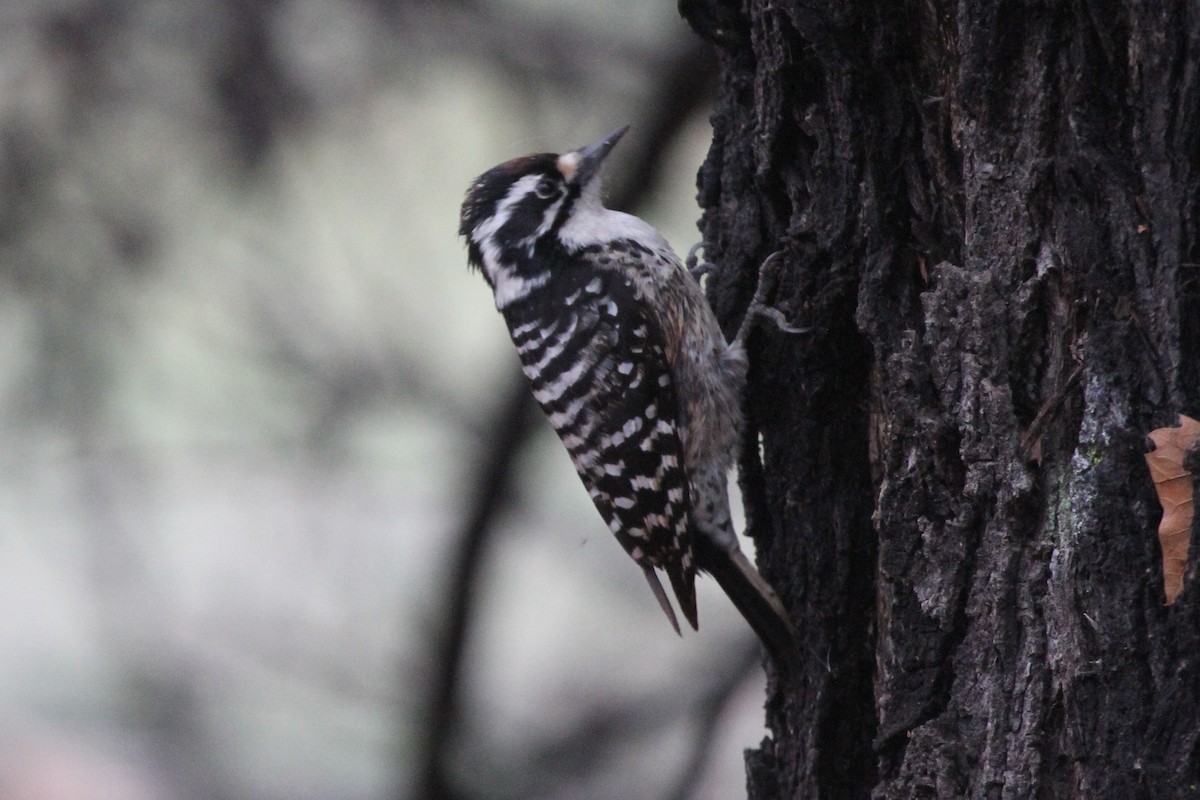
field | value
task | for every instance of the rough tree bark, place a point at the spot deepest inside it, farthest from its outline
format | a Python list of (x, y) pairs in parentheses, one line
[(989, 214)]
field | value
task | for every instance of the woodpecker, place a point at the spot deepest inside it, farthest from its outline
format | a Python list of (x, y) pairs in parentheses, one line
[(627, 360)]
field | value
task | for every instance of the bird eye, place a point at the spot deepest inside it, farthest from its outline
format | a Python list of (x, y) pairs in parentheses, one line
[(546, 188)]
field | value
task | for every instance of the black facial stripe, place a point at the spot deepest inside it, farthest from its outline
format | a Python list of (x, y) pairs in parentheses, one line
[(564, 211), (525, 217)]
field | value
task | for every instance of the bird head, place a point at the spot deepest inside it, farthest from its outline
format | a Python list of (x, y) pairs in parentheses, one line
[(512, 207)]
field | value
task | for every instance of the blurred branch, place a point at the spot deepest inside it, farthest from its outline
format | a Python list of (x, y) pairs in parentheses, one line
[(491, 488), (687, 85), (531, 50), (709, 710), (346, 380), (604, 731), (256, 94)]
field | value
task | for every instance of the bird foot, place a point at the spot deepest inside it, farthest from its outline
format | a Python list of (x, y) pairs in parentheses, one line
[(758, 311), (697, 269)]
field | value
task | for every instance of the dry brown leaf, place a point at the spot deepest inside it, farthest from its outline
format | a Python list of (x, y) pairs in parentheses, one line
[(1174, 485)]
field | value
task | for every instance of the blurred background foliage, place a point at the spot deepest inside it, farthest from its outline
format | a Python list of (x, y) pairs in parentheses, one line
[(248, 396)]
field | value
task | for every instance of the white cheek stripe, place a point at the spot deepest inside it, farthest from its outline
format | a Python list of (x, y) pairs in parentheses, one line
[(510, 287), (492, 225)]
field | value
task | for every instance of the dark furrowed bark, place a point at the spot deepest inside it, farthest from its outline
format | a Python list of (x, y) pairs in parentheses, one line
[(989, 217)]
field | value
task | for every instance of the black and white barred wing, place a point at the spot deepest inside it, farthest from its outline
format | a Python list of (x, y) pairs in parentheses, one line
[(599, 370)]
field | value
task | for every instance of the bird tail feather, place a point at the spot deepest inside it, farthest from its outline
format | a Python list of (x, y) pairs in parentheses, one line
[(661, 596), (755, 599)]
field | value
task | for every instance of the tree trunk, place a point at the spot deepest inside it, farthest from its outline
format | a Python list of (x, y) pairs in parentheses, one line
[(988, 213)]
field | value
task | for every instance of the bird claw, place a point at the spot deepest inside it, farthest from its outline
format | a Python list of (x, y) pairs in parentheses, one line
[(698, 270), (777, 318), (758, 310)]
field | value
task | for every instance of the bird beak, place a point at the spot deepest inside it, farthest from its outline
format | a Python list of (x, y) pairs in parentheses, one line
[(585, 162)]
